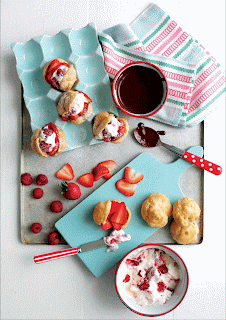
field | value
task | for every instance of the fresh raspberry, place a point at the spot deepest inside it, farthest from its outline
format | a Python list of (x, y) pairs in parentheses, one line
[(53, 238), (38, 193), (41, 180), (36, 227), (56, 206), (26, 179)]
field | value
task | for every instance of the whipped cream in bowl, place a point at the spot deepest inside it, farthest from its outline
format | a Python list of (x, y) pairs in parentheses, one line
[(151, 280)]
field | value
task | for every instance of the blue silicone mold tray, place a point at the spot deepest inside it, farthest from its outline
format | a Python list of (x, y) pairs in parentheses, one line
[(80, 47)]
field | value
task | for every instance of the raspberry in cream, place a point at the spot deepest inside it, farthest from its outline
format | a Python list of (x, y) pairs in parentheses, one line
[(150, 276)]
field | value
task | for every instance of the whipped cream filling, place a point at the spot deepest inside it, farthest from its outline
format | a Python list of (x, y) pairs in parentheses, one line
[(111, 129), (58, 75), (77, 104), (151, 277), (116, 237), (48, 139)]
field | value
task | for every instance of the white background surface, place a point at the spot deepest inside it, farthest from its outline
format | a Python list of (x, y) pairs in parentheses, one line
[(66, 289)]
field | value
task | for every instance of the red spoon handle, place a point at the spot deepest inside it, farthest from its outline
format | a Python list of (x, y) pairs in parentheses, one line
[(55, 255), (202, 163)]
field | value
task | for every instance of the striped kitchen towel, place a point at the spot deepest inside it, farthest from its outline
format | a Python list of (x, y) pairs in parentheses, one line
[(193, 75)]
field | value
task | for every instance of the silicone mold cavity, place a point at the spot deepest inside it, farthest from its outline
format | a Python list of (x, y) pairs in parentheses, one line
[(77, 46)]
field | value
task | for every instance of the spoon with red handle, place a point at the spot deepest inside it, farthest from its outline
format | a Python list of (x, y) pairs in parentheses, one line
[(148, 137)]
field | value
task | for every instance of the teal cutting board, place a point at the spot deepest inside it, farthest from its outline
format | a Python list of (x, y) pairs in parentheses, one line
[(78, 227)]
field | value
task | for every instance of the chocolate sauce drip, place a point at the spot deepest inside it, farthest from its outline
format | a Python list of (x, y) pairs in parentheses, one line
[(146, 136)]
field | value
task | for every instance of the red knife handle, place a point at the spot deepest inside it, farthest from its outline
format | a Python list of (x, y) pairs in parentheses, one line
[(55, 255), (202, 163)]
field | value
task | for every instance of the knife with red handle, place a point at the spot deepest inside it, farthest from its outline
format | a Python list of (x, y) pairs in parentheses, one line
[(69, 252), (196, 160)]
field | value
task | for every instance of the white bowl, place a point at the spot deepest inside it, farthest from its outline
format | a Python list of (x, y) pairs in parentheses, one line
[(158, 310)]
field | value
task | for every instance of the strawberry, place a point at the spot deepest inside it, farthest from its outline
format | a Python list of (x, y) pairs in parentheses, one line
[(87, 97), (132, 177), (99, 171), (86, 180), (66, 173), (117, 226), (110, 164), (120, 216), (126, 188), (70, 190), (107, 225), (114, 207)]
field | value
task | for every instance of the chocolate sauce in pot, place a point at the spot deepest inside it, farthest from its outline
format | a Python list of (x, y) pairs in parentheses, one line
[(141, 89), (146, 136)]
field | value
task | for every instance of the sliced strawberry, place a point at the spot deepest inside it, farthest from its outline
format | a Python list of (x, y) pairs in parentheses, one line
[(110, 164), (54, 150), (66, 173), (120, 216), (73, 117), (86, 180), (114, 207), (84, 110), (99, 171), (132, 177), (117, 226), (126, 188), (107, 225), (87, 97), (51, 68)]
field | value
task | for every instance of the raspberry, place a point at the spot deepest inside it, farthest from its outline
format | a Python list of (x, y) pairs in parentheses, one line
[(38, 193), (36, 227), (26, 179), (56, 206), (41, 180), (53, 238)]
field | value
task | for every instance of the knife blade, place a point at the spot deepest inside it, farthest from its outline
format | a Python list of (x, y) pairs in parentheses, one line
[(69, 252)]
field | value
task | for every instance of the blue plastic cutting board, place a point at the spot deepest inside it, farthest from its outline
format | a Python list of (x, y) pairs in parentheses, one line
[(78, 227)]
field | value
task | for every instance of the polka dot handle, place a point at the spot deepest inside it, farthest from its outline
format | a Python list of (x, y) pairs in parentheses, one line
[(202, 163)]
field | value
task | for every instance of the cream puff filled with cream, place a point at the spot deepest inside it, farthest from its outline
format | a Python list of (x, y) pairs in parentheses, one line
[(60, 74), (75, 107), (109, 128)]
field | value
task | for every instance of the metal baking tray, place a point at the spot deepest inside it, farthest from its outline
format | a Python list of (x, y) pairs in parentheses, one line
[(84, 159)]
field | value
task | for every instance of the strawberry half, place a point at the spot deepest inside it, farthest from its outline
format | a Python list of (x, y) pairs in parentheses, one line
[(126, 188), (132, 177), (110, 164), (66, 173), (120, 216), (107, 225), (86, 180), (99, 172)]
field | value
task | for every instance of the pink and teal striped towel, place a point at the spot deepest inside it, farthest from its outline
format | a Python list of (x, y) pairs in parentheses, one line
[(194, 78)]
